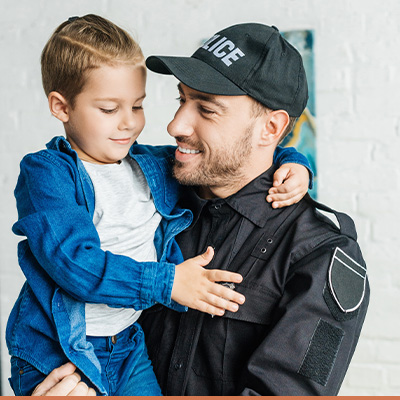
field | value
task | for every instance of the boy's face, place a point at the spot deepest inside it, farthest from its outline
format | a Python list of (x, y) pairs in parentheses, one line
[(108, 114)]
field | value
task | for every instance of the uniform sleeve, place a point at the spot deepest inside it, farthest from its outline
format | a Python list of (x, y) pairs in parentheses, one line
[(64, 241), (285, 155), (308, 347)]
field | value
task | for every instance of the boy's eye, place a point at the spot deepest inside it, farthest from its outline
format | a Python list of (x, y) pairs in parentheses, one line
[(180, 99), (108, 110)]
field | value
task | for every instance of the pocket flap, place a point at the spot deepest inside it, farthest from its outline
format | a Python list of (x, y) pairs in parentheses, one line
[(260, 301)]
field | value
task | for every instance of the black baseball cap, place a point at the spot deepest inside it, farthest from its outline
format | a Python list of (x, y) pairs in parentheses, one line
[(245, 59)]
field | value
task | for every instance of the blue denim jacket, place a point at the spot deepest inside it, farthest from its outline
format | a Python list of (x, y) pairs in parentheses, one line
[(64, 265)]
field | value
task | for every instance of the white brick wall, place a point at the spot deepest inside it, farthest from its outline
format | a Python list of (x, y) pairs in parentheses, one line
[(357, 62)]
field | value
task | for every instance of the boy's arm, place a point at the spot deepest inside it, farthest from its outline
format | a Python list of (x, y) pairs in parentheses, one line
[(292, 179), (64, 241)]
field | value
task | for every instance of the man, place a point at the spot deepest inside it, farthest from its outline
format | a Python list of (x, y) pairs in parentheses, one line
[(304, 277)]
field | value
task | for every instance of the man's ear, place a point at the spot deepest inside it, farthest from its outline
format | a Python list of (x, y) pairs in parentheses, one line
[(58, 106), (275, 124)]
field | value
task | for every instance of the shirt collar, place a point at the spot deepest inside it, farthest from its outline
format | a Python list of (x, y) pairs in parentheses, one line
[(250, 201)]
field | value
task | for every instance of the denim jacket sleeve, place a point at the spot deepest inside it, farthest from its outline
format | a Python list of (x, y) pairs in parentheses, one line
[(63, 239), (284, 155)]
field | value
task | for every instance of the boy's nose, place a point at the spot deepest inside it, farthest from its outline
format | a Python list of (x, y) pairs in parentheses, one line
[(127, 121)]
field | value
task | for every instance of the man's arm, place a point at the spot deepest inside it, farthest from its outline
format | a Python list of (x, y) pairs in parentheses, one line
[(309, 347)]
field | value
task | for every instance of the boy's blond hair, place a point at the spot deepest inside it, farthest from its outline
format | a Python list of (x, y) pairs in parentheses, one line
[(80, 45)]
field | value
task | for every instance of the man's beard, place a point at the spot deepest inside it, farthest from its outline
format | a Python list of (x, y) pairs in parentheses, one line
[(222, 168)]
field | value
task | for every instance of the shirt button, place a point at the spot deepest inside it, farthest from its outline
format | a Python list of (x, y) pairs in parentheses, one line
[(178, 366), (217, 206)]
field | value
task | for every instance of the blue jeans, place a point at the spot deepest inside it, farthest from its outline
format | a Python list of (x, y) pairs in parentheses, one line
[(24, 377), (125, 365)]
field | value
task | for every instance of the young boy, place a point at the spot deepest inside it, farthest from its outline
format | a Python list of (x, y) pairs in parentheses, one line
[(100, 216)]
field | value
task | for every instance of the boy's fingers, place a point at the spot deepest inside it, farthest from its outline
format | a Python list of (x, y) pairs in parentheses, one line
[(280, 197), (218, 291), (217, 275), (216, 305), (206, 257), (221, 303), (285, 203), (280, 175), (210, 309), (297, 193), (288, 186)]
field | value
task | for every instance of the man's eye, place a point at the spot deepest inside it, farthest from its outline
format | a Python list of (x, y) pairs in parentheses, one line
[(107, 110), (180, 99), (206, 111)]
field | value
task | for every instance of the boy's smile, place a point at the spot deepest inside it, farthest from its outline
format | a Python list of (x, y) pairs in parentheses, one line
[(108, 114)]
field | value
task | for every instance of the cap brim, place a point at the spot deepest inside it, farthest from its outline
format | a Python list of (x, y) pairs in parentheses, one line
[(194, 73)]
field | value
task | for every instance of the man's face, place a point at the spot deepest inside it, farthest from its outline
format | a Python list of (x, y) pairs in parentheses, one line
[(214, 135)]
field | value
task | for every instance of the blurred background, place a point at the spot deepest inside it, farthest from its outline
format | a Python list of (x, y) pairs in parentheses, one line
[(356, 126)]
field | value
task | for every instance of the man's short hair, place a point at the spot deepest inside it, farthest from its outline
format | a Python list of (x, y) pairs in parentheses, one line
[(80, 45)]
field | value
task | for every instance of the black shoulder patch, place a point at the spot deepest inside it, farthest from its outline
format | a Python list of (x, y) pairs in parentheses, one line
[(347, 280)]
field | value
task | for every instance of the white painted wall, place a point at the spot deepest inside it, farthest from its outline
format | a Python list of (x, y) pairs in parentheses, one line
[(357, 62)]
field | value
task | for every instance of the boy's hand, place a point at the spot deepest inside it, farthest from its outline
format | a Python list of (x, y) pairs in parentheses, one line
[(289, 186), (196, 287), (63, 381)]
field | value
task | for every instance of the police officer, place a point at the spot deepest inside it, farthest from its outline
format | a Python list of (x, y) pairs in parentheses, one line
[(304, 276)]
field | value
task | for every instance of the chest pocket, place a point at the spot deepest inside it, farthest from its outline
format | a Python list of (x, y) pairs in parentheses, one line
[(258, 284), (258, 307)]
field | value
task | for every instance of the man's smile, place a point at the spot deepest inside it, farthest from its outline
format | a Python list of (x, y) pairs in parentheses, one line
[(188, 151)]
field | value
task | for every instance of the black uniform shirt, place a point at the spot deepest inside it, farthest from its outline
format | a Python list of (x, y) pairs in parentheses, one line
[(290, 337), (220, 222)]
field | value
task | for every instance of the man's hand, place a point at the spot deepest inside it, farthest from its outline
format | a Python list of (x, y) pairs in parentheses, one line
[(196, 287), (290, 185), (63, 381)]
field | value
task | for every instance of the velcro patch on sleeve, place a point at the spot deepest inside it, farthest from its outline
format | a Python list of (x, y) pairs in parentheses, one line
[(347, 280), (322, 351)]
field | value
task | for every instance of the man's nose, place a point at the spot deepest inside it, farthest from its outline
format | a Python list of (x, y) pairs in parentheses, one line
[(182, 124)]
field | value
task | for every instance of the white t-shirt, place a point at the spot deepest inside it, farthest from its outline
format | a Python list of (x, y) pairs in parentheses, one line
[(126, 220)]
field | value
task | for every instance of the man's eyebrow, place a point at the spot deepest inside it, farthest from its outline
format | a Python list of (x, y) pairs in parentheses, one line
[(204, 97)]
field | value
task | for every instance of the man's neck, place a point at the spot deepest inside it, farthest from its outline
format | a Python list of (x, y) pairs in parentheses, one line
[(224, 191)]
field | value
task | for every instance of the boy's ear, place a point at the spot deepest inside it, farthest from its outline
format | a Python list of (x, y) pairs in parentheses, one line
[(275, 124), (59, 106)]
